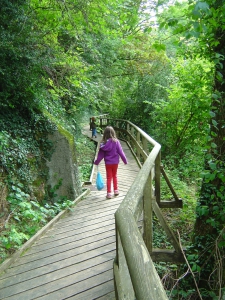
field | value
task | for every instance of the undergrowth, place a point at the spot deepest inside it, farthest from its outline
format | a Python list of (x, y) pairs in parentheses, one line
[(27, 203), (85, 157), (23, 217), (181, 221)]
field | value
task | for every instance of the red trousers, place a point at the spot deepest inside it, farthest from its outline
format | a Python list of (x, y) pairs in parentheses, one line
[(111, 176)]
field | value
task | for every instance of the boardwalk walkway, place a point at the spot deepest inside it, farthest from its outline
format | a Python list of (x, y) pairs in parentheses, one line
[(74, 259)]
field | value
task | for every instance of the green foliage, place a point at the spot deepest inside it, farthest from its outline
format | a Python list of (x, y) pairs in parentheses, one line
[(56, 63), (86, 154), (26, 217), (181, 120), (181, 219), (23, 152), (20, 60), (203, 28), (24, 143), (143, 80)]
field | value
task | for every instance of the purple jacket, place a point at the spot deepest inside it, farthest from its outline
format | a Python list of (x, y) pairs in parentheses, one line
[(111, 152)]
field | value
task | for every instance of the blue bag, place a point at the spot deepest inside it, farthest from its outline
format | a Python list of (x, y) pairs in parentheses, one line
[(99, 181)]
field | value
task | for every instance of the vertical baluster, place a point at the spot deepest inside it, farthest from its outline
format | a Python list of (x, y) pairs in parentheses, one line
[(139, 142), (128, 130), (133, 138), (132, 131), (147, 214), (121, 274), (145, 147), (157, 177), (118, 126), (116, 266)]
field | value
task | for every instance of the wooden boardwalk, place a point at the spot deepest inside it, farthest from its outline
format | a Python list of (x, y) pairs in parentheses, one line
[(74, 259)]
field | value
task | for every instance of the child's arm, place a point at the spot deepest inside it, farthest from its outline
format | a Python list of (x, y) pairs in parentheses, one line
[(121, 153), (99, 157)]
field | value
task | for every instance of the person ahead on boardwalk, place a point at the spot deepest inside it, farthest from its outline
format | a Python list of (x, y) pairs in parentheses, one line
[(93, 127), (111, 150)]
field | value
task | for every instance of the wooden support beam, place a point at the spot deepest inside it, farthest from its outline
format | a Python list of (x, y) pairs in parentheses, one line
[(167, 255), (171, 237), (147, 214), (122, 275), (157, 177), (171, 204), (169, 184)]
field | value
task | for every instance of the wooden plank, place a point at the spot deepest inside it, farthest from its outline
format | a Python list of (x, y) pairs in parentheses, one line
[(79, 289), (64, 259), (110, 296), (54, 236), (71, 290), (95, 292), (68, 239), (69, 246), (94, 206), (51, 283), (34, 261), (86, 221)]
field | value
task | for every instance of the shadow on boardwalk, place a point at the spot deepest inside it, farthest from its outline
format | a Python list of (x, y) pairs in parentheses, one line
[(74, 259)]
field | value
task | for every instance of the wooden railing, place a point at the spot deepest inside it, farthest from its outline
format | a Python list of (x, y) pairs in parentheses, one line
[(134, 272)]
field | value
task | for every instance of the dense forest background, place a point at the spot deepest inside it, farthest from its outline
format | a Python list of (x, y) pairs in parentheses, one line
[(159, 65)]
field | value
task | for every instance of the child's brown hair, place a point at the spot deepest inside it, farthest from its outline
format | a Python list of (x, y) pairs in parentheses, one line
[(109, 132)]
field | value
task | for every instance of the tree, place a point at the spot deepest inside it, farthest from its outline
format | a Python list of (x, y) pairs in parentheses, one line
[(209, 232), (203, 26)]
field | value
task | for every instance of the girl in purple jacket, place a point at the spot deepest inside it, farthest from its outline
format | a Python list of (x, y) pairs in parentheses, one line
[(111, 150)]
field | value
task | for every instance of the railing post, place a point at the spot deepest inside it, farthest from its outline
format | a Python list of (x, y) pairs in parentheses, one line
[(116, 266), (132, 131), (139, 141), (145, 147), (157, 177), (118, 132), (133, 138), (121, 274), (128, 130), (147, 214)]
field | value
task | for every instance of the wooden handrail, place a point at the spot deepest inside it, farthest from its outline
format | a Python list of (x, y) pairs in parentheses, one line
[(141, 145), (134, 271)]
